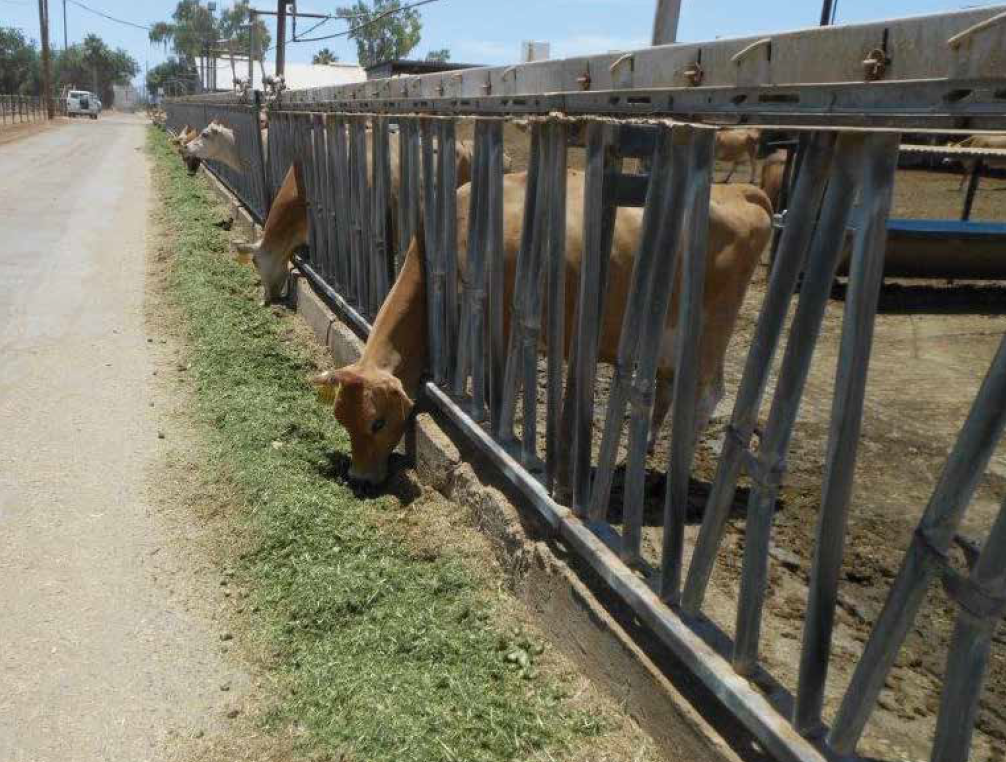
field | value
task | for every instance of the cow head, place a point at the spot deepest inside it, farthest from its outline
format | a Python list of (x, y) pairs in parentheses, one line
[(374, 409), (215, 142), (272, 270)]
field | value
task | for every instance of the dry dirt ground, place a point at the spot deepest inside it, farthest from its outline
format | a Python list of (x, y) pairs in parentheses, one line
[(11, 132), (934, 342), (107, 650)]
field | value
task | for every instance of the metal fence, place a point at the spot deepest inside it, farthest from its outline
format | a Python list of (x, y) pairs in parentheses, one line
[(21, 109), (252, 185), (485, 374)]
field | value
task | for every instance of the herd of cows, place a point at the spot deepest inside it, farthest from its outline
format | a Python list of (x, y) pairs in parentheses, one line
[(373, 397)]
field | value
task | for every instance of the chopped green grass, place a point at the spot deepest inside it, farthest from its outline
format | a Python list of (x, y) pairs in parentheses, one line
[(383, 654)]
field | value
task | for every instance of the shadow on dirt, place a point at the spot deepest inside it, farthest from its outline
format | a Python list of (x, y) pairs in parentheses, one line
[(936, 298)]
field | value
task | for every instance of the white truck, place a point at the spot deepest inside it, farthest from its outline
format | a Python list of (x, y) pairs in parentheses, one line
[(82, 103)]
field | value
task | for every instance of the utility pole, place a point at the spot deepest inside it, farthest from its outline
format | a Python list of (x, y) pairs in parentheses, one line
[(66, 45), (281, 37), (827, 12), (251, 50), (665, 22), (43, 23)]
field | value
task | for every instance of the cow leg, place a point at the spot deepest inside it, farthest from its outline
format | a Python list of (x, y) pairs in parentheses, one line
[(730, 173), (663, 396), (709, 397)]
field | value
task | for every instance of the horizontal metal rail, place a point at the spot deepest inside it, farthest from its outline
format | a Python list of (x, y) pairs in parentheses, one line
[(900, 73)]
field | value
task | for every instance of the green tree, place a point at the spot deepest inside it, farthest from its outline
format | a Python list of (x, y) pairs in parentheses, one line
[(19, 63), (324, 57), (380, 35), (444, 54), (92, 65), (174, 75), (193, 27), (233, 26)]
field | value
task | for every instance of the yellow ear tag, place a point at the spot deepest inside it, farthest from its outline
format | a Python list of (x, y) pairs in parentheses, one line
[(243, 258), (327, 393)]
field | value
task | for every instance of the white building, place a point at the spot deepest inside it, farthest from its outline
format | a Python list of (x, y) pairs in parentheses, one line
[(125, 97), (298, 75)]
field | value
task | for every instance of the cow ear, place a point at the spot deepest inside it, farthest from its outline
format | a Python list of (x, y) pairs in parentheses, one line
[(327, 384), (243, 252)]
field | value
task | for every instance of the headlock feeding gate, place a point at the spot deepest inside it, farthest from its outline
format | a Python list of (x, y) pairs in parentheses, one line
[(850, 92)]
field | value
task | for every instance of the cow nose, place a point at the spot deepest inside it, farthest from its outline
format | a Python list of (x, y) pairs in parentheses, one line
[(360, 478)]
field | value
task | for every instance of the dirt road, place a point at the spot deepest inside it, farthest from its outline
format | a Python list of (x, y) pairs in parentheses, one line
[(103, 655)]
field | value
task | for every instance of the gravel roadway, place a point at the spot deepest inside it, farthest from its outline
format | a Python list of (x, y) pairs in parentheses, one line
[(105, 652)]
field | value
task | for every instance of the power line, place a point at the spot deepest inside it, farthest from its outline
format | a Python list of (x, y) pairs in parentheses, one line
[(320, 23), (367, 23), (106, 16)]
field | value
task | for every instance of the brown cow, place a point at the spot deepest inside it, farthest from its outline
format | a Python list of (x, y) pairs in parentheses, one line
[(374, 396), (180, 142), (773, 171), (217, 142), (736, 145), (286, 228)]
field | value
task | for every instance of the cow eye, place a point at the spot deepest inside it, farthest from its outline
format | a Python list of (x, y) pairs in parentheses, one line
[(377, 425)]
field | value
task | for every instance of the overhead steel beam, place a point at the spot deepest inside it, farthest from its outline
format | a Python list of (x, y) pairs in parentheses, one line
[(964, 45)]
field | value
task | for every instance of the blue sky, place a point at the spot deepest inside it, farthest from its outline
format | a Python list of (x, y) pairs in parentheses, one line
[(491, 32)]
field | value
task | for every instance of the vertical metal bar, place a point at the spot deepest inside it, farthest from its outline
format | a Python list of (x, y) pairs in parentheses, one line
[(867, 274), (432, 215), (332, 216), (655, 252), (556, 287), (473, 294), (790, 258), (304, 149), (525, 254), (496, 270), (599, 219), (828, 243), (406, 190), (973, 181), (686, 365), (367, 281), (449, 239), (968, 657), (262, 171), (961, 474), (360, 274), (342, 206), (532, 308), (381, 186), (319, 216)]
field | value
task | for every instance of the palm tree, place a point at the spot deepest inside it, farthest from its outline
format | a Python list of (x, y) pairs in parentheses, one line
[(194, 28), (324, 57)]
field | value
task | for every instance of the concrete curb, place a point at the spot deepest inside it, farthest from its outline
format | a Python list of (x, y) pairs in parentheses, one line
[(570, 605)]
